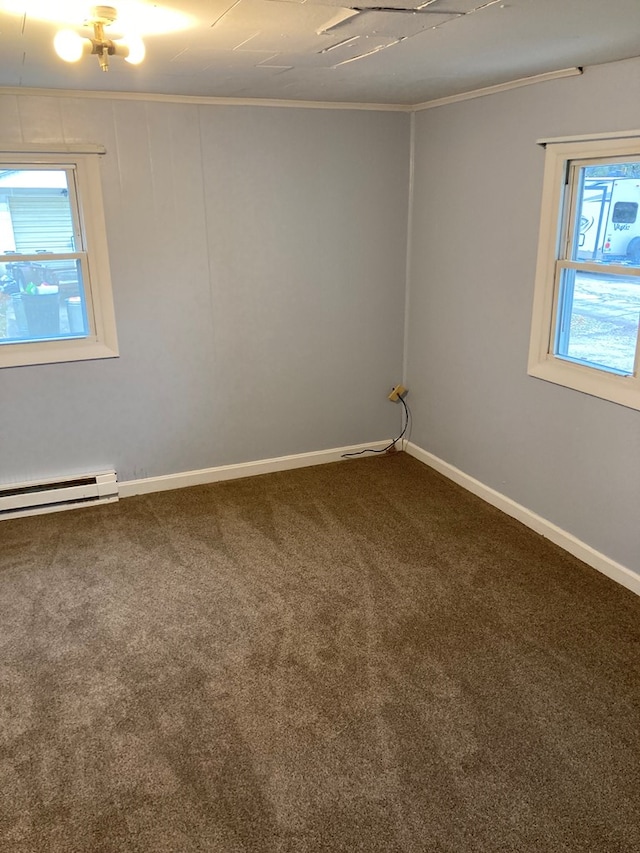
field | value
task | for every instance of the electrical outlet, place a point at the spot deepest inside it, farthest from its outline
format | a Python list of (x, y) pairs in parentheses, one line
[(396, 392)]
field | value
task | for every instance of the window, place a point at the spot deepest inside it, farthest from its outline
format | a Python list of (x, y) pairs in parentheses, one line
[(586, 315), (55, 288)]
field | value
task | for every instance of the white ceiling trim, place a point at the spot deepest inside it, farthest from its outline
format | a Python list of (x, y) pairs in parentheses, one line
[(500, 87), (313, 105), (200, 99)]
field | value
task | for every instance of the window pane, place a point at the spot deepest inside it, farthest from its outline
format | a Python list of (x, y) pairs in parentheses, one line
[(42, 301), (598, 317), (35, 211), (607, 228)]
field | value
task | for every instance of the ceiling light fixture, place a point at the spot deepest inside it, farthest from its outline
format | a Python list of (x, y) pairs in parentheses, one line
[(71, 46)]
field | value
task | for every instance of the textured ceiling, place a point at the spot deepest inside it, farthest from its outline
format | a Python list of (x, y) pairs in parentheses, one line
[(373, 51)]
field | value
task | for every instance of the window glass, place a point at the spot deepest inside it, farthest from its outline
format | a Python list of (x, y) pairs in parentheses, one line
[(598, 319), (42, 300), (607, 229), (42, 293), (597, 312)]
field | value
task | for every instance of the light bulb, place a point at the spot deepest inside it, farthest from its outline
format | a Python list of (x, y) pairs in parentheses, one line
[(69, 45), (136, 48)]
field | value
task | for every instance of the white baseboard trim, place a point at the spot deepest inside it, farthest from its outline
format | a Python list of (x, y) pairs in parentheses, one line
[(617, 572), (128, 488)]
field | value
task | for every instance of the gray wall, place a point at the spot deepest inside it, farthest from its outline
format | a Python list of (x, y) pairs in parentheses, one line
[(258, 264), (572, 458)]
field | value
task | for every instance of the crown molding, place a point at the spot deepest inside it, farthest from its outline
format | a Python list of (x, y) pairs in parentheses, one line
[(307, 105), (500, 87), (201, 99)]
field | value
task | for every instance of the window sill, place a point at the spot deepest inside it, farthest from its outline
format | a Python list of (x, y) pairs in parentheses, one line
[(50, 352), (623, 390)]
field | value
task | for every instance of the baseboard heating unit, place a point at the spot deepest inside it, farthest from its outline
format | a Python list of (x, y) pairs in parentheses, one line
[(20, 499)]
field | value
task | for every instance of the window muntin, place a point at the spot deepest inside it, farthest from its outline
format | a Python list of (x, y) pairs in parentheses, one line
[(55, 292), (586, 321)]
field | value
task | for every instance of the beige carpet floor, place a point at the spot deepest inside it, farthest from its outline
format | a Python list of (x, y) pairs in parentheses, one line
[(355, 657)]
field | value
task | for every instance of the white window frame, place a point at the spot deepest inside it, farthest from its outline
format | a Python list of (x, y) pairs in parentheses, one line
[(102, 341), (556, 202)]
